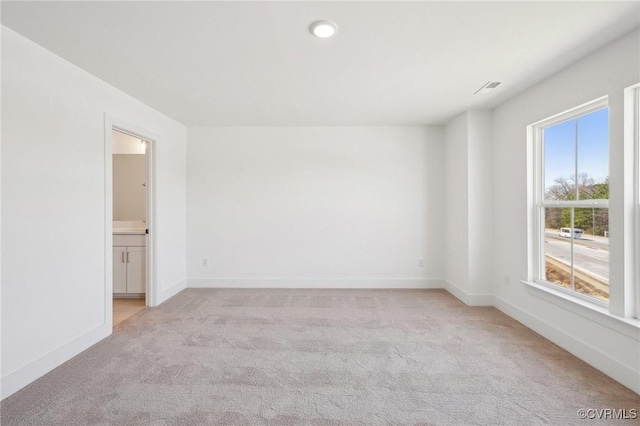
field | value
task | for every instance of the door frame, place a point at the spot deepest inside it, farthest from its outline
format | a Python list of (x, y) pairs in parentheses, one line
[(114, 123)]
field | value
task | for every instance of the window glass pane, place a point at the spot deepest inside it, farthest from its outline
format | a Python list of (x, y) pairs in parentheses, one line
[(557, 246), (560, 161), (591, 253), (593, 155)]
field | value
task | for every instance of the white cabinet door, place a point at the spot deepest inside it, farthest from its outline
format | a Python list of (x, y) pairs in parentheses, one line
[(136, 270), (119, 269)]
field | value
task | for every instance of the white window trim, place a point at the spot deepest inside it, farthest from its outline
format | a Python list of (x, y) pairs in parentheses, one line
[(636, 137), (576, 204), (632, 135)]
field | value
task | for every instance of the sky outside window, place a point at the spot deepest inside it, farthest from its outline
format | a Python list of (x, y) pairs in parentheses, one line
[(593, 148)]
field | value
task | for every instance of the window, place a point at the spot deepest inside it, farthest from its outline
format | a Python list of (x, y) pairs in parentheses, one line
[(571, 202)]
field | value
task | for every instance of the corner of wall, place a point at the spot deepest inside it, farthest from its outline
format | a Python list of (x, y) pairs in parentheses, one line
[(469, 299), (168, 293)]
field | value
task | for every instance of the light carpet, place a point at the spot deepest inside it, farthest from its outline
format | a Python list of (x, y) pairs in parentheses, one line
[(318, 357)]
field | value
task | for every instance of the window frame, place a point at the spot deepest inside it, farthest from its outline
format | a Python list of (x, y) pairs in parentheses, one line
[(632, 132), (536, 227)]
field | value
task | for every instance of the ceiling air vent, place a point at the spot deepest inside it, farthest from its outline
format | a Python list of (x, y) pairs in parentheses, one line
[(487, 88)]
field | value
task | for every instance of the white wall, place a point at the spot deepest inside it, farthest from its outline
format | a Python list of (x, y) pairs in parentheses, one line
[(456, 203), (480, 204), (315, 207), (606, 72), (54, 303), (468, 201)]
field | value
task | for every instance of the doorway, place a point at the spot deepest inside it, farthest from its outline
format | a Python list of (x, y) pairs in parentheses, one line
[(129, 175), (129, 213)]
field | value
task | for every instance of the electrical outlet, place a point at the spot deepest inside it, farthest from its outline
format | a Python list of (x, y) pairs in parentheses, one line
[(507, 281), (205, 261), (421, 263)]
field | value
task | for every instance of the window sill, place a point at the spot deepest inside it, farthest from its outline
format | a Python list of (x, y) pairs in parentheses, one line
[(628, 326)]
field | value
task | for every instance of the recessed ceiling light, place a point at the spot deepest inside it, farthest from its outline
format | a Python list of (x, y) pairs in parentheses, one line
[(323, 29), (488, 87)]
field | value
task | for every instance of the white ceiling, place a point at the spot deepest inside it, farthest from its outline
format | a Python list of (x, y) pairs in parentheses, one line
[(255, 63)]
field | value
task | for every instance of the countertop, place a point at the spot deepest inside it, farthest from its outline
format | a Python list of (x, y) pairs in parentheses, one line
[(129, 231), (129, 227)]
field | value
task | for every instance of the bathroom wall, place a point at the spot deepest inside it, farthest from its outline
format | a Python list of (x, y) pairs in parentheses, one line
[(129, 187)]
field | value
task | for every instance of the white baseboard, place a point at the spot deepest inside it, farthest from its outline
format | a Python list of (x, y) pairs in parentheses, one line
[(313, 283), (20, 378), (469, 299), (592, 356), (168, 293)]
